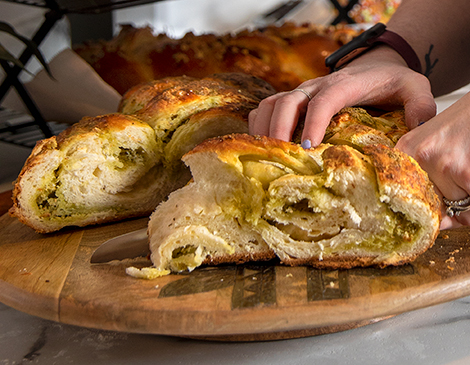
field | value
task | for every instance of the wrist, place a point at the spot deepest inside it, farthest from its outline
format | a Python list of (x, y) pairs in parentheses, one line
[(371, 38), (382, 54)]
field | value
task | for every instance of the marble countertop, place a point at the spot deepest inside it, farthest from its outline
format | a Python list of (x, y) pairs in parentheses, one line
[(435, 335)]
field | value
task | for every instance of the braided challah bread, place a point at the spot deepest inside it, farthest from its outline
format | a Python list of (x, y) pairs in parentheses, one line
[(357, 128), (284, 56), (255, 198), (122, 165)]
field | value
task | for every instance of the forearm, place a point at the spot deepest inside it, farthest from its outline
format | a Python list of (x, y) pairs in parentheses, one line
[(439, 32)]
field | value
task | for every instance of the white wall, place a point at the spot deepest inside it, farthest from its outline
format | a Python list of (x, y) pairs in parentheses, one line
[(177, 17)]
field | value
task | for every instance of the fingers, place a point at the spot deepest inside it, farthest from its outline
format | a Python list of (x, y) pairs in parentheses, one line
[(424, 148), (449, 223), (379, 79), (452, 220), (286, 114), (442, 148), (277, 115), (323, 106), (418, 101), (419, 111), (454, 187), (260, 118)]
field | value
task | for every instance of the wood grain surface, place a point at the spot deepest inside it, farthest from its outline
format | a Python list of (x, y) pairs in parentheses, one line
[(5, 201), (50, 276)]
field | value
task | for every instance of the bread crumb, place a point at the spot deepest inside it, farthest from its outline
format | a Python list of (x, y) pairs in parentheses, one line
[(288, 275), (450, 268), (24, 271), (450, 260), (148, 273), (432, 262), (445, 236)]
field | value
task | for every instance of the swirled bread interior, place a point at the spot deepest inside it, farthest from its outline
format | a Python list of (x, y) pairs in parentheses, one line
[(330, 207), (122, 165)]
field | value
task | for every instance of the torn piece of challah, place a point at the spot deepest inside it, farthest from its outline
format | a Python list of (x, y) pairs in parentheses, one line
[(255, 198), (122, 165), (355, 127)]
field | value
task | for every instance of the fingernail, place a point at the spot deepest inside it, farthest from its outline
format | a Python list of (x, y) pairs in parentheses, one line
[(306, 144)]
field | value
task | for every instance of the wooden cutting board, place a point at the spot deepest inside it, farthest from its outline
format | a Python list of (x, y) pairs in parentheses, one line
[(50, 276)]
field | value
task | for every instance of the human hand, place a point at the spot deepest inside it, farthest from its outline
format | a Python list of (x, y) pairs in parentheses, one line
[(442, 148), (378, 78)]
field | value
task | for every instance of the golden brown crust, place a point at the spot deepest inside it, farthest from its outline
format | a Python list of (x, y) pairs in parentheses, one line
[(358, 135), (176, 105), (357, 127), (395, 124), (239, 258), (48, 158), (343, 262), (139, 95), (394, 167), (304, 38), (342, 157), (392, 124), (122, 62), (239, 144), (100, 124), (196, 56), (252, 85), (182, 87), (34, 159), (194, 91)]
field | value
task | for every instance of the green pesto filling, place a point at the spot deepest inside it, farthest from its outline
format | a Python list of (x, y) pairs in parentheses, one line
[(399, 234), (129, 158), (401, 238), (184, 258), (53, 208), (50, 203), (317, 197), (183, 251)]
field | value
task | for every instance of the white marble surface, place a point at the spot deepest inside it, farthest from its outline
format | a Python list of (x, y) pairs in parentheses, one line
[(431, 336)]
